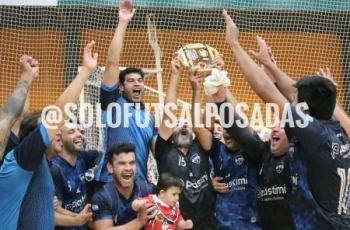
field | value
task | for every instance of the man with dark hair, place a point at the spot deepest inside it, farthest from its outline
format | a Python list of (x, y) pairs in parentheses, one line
[(321, 141), (29, 124), (125, 88), (25, 173), (111, 205)]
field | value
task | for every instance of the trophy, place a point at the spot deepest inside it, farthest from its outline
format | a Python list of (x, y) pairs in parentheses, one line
[(198, 55)]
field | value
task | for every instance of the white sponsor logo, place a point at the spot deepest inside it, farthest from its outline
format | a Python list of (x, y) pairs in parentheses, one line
[(237, 182), (201, 182), (76, 205), (274, 190)]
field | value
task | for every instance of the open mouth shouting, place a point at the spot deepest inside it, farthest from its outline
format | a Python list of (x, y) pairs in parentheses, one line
[(127, 178), (184, 132), (136, 93), (275, 138)]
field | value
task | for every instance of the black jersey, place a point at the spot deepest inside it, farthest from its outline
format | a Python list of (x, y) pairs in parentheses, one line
[(197, 198), (325, 153), (285, 200)]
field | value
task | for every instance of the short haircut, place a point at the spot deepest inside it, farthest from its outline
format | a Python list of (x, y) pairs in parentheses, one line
[(167, 180), (29, 124), (127, 71), (320, 95), (117, 149)]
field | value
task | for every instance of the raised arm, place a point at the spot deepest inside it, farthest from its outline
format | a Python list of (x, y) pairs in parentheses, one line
[(265, 57), (339, 112), (233, 101), (13, 108), (25, 112), (111, 74), (257, 79), (218, 62), (165, 129), (203, 135), (71, 93)]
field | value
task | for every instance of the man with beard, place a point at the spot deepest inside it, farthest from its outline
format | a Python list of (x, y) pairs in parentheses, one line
[(25, 173), (111, 205), (178, 153), (68, 172)]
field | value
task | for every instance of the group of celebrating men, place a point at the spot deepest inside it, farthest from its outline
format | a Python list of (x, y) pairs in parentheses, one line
[(298, 180)]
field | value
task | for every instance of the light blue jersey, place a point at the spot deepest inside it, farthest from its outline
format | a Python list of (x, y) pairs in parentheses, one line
[(136, 126), (16, 174)]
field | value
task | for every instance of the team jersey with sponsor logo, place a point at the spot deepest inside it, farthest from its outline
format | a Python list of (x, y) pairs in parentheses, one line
[(197, 200), (125, 123), (238, 208), (70, 181), (274, 192), (284, 198), (325, 152), (109, 204)]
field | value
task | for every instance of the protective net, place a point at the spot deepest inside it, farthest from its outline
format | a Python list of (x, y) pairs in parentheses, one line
[(303, 34)]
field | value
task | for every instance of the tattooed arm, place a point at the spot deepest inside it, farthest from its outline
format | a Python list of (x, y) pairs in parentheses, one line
[(13, 108)]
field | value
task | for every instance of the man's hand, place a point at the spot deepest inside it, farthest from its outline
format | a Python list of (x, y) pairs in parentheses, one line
[(218, 62), (196, 78), (176, 65), (56, 202), (126, 11), (84, 216), (146, 213), (90, 59), (218, 186), (231, 30), (29, 67), (326, 74), (265, 56), (188, 224), (264, 68)]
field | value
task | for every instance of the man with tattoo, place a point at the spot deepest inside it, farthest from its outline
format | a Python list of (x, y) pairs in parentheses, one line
[(26, 185), (13, 108)]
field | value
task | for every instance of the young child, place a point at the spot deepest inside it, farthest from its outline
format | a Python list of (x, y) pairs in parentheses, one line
[(168, 214)]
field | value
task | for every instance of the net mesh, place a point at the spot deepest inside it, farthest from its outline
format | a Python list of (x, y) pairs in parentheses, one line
[(304, 36)]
